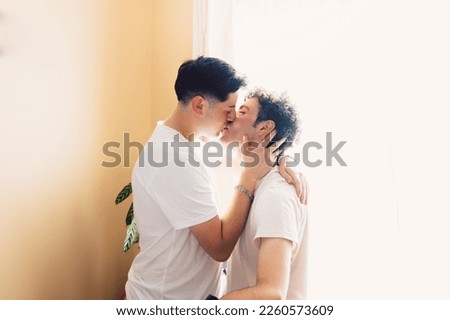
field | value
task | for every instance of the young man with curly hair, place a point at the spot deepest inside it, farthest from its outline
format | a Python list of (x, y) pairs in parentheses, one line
[(269, 261)]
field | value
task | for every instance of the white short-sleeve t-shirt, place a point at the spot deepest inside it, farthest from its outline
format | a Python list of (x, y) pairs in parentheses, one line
[(276, 212), (172, 191)]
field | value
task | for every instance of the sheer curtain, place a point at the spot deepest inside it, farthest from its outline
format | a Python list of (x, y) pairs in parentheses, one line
[(375, 74)]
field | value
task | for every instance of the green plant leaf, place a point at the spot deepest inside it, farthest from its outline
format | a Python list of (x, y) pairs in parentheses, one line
[(131, 237), (130, 215), (126, 191)]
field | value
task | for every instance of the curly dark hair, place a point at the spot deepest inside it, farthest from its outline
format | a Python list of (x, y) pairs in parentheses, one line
[(208, 77), (279, 109)]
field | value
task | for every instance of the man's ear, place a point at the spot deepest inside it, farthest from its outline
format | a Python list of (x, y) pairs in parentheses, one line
[(264, 128), (199, 105)]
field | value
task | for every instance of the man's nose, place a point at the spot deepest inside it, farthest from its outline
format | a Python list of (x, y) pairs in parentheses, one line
[(231, 115)]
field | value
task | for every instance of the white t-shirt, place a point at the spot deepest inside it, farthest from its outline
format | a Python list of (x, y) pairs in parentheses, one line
[(168, 199), (276, 212)]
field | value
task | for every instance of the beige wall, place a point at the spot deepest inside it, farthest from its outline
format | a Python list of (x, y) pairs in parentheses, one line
[(171, 45), (73, 77)]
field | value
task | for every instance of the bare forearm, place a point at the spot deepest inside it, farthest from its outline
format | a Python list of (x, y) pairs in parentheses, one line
[(258, 292), (234, 220), (219, 235), (272, 274)]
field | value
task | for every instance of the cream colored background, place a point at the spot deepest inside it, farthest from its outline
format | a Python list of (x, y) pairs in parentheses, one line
[(74, 75), (375, 73), (77, 74)]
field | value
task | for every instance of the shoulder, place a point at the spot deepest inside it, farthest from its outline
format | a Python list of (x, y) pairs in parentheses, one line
[(273, 186), (275, 197)]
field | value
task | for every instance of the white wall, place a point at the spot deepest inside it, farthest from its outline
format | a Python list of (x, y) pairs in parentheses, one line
[(375, 74)]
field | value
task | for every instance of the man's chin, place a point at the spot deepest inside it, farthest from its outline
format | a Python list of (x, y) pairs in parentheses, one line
[(227, 138), (224, 138), (213, 135)]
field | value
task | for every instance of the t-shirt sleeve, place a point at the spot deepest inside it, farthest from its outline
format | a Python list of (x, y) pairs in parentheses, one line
[(279, 216), (185, 195)]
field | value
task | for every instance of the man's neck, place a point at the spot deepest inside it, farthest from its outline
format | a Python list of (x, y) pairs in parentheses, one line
[(181, 121)]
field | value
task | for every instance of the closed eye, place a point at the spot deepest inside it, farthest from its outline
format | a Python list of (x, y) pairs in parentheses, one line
[(243, 109)]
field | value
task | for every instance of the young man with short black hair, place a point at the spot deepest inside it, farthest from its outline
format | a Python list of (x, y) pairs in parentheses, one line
[(182, 237)]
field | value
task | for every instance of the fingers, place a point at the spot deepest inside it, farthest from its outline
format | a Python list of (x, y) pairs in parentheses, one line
[(307, 189), (268, 138), (298, 184), (273, 151), (269, 154), (284, 173), (277, 153), (297, 179), (303, 194), (293, 178), (277, 144)]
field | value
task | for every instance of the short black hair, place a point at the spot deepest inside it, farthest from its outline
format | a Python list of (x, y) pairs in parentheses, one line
[(280, 110), (208, 77)]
